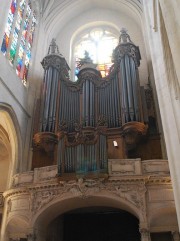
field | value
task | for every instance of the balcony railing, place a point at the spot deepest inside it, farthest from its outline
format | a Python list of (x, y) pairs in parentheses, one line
[(117, 168)]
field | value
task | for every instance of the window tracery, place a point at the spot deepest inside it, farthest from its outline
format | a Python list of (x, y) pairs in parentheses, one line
[(99, 43), (18, 36)]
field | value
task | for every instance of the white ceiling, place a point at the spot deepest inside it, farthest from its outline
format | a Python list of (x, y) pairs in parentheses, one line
[(58, 13)]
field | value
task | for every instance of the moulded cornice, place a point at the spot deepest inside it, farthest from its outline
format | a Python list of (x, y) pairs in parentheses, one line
[(86, 182)]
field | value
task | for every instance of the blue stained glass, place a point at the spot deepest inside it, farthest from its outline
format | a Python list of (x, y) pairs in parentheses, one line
[(23, 28), (4, 43), (8, 27), (13, 6)]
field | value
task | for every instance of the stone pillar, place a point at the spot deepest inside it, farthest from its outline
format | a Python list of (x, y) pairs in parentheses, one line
[(167, 104), (175, 235), (170, 12), (145, 234)]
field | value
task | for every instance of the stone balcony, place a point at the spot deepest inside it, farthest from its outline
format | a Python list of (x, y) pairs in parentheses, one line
[(117, 169)]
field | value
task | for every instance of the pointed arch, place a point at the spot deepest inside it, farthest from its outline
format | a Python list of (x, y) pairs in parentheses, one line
[(11, 139)]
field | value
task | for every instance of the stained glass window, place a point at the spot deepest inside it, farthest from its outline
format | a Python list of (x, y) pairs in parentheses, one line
[(99, 43), (18, 36)]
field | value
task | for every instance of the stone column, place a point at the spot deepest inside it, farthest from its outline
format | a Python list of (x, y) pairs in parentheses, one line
[(170, 12), (167, 104), (175, 235), (145, 234)]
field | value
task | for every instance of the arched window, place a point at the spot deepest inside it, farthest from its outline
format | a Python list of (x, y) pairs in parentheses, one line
[(99, 43), (18, 36)]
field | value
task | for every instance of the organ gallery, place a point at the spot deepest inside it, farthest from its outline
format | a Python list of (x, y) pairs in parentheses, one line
[(89, 120)]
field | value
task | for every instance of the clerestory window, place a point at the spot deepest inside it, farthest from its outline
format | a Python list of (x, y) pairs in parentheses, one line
[(18, 36), (99, 43)]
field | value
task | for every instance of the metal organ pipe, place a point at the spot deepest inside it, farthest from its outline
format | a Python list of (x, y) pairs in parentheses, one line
[(115, 102), (87, 103), (53, 101), (117, 87), (125, 109), (128, 80), (106, 103), (90, 103), (47, 100), (135, 90), (113, 105)]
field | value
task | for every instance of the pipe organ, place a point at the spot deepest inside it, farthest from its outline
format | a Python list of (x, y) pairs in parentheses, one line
[(78, 121)]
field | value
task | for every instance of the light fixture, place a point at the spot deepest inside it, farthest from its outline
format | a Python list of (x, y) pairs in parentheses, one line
[(115, 143)]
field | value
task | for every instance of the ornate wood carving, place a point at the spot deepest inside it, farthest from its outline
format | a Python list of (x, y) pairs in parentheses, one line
[(132, 133), (45, 141)]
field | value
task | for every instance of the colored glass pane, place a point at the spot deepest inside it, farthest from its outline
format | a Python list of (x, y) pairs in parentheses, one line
[(5, 42), (29, 9), (99, 44), (20, 60), (20, 29), (16, 31), (13, 6), (8, 27), (21, 68), (31, 34), (26, 63)]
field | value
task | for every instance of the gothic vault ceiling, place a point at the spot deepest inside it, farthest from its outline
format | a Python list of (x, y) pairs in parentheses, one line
[(57, 13)]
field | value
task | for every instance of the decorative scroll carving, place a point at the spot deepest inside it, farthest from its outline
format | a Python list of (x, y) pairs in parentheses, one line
[(54, 58), (93, 76), (102, 122), (126, 46), (43, 197), (85, 188), (86, 135), (132, 133), (133, 193), (63, 126), (45, 141)]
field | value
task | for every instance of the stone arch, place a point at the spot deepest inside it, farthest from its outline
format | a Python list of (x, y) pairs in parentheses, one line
[(68, 203), (10, 139)]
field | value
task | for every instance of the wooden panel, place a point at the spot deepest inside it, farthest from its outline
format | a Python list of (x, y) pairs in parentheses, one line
[(148, 149), (116, 152)]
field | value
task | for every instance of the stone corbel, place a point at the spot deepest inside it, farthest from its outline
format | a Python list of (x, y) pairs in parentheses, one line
[(45, 141)]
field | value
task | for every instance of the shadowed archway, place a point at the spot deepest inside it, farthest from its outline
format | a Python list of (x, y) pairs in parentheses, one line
[(94, 223)]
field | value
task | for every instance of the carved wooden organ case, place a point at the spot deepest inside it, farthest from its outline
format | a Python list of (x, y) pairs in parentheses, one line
[(76, 123)]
